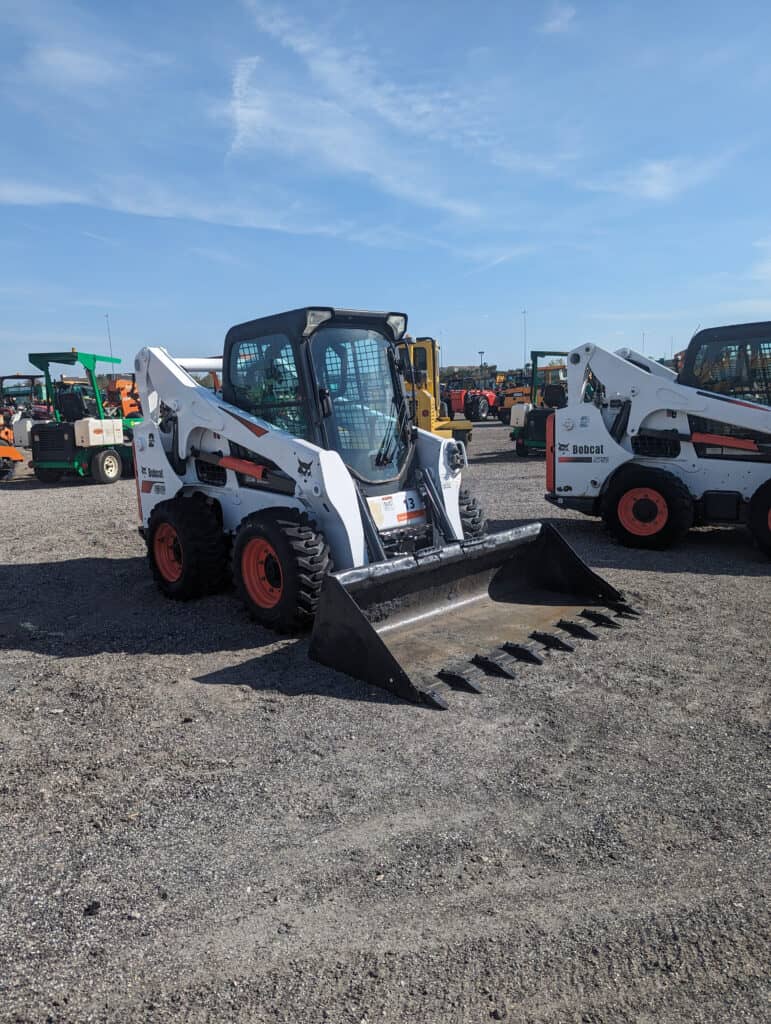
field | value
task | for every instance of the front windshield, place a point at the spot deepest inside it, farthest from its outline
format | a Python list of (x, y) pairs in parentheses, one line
[(367, 425)]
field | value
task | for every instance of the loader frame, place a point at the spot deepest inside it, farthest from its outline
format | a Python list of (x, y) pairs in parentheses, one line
[(653, 452), (310, 457)]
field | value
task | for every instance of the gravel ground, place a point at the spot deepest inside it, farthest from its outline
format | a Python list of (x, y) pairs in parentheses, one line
[(200, 824)]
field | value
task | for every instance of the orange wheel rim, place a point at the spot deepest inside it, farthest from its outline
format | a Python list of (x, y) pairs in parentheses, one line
[(261, 573), (643, 511), (168, 552)]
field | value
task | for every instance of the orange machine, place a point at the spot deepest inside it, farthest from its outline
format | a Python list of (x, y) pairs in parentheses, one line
[(122, 394)]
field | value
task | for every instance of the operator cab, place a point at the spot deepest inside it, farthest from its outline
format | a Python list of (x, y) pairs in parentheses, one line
[(734, 361), (329, 376)]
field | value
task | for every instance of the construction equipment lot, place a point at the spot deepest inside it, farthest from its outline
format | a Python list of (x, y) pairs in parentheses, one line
[(199, 823)]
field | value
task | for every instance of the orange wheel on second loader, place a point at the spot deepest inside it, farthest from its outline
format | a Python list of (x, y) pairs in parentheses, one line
[(647, 508)]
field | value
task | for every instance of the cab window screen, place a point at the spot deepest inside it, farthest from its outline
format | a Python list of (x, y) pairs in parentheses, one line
[(266, 383), (739, 369)]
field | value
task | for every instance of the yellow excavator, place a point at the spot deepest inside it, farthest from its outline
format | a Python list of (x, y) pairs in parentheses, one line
[(421, 359)]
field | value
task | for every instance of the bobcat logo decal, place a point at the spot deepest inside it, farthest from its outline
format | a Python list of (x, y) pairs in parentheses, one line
[(563, 447), (304, 469)]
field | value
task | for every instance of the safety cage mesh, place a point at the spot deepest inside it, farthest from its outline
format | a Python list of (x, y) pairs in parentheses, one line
[(266, 383), (739, 369)]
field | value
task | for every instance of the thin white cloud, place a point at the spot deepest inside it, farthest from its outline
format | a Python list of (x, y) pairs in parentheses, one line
[(560, 19), (100, 238), (64, 68), (659, 180), (404, 113), (487, 257), (21, 193), (65, 52), (331, 135), (354, 79), (222, 256), (142, 198)]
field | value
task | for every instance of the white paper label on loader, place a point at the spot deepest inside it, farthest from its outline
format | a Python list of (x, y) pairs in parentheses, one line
[(391, 511)]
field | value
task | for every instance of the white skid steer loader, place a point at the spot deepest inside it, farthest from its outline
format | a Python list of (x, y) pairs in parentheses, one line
[(307, 460), (654, 452)]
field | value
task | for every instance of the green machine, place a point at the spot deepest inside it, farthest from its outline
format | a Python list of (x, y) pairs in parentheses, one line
[(84, 437), (548, 391)]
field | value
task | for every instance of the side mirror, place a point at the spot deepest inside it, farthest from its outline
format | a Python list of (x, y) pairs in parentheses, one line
[(325, 401)]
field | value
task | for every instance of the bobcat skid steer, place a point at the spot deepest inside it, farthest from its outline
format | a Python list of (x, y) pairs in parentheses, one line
[(308, 477), (654, 452)]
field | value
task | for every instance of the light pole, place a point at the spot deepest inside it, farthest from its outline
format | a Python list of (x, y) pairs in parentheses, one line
[(109, 336), (524, 338), (481, 363)]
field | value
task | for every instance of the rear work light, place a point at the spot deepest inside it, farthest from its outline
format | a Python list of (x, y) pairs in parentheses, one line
[(315, 318)]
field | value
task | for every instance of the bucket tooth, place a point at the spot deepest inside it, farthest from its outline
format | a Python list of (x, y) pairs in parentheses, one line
[(622, 609), (576, 629), (599, 618), (523, 652), (462, 676), (496, 663), (433, 699), (552, 641)]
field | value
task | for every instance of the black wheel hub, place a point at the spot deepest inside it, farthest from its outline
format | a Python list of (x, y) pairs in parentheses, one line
[(645, 510), (273, 572)]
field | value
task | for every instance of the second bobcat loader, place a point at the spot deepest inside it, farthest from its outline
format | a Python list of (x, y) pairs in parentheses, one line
[(308, 477), (653, 452)]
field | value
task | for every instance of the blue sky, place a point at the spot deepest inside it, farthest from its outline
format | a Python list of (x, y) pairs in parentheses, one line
[(187, 166)]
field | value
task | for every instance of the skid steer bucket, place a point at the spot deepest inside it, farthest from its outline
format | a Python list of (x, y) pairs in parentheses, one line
[(418, 626)]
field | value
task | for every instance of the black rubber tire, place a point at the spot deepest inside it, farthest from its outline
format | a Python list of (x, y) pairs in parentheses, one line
[(303, 558), (483, 408), (48, 476), (106, 466), (472, 516), (676, 497), (521, 448), (443, 411), (760, 517), (7, 469), (471, 409), (203, 547)]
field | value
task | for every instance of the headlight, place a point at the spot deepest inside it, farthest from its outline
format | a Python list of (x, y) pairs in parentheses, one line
[(398, 324), (456, 456)]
